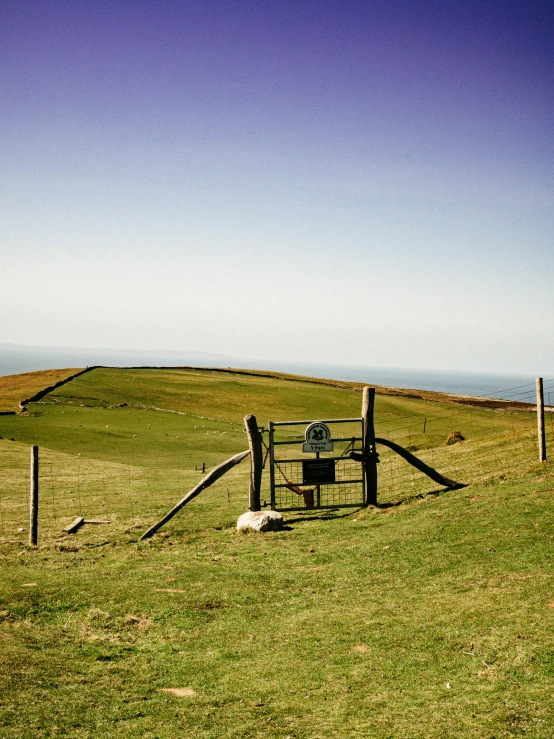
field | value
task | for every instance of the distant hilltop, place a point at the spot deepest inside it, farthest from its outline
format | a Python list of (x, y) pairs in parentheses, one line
[(18, 358)]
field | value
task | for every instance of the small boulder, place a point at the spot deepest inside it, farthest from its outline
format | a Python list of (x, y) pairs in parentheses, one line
[(260, 521)]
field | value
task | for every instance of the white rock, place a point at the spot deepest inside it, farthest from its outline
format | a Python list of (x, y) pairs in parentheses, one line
[(260, 521)]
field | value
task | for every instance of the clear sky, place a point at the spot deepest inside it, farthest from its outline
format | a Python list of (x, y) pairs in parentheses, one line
[(331, 181)]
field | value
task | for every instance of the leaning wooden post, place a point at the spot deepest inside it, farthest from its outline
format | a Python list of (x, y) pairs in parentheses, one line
[(256, 461), (210, 478), (369, 452), (540, 421), (33, 501)]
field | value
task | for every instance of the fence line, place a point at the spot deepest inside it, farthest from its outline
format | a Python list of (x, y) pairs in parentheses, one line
[(86, 487), (498, 443)]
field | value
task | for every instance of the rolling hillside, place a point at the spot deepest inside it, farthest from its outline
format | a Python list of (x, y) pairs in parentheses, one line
[(429, 616)]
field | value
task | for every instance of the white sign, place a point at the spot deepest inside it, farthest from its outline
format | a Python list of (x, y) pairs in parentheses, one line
[(318, 438)]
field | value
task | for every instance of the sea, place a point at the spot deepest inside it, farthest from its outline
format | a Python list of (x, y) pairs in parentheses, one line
[(15, 359)]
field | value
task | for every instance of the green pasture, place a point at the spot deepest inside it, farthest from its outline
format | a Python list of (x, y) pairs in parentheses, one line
[(130, 443), (15, 388), (429, 616)]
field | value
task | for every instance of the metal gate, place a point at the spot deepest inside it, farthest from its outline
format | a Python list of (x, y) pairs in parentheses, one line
[(301, 479)]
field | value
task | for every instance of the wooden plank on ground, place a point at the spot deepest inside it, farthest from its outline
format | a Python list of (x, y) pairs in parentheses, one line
[(74, 525), (95, 520)]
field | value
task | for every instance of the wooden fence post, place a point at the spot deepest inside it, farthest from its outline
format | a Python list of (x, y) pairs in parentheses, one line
[(369, 452), (256, 461), (540, 421), (33, 501)]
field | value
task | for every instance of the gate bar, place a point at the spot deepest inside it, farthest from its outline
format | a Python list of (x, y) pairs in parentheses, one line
[(310, 459), (299, 441), (271, 467), (303, 423), (323, 484)]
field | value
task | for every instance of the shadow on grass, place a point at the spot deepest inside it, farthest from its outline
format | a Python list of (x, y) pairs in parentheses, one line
[(331, 514), (327, 515), (421, 496)]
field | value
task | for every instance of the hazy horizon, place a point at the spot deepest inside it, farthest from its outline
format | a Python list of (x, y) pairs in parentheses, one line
[(17, 359), (191, 353)]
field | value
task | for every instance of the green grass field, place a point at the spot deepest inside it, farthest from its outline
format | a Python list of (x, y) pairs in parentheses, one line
[(429, 616), (15, 388)]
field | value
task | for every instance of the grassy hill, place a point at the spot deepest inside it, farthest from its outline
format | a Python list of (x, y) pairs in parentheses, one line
[(15, 388), (430, 616)]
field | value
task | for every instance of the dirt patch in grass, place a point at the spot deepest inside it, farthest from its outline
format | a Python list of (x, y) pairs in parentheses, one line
[(179, 692)]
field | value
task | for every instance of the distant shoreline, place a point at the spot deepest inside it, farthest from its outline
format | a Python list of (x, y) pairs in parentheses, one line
[(16, 360)]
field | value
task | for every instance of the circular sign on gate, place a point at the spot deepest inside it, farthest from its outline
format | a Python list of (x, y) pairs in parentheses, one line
[(318, 438)]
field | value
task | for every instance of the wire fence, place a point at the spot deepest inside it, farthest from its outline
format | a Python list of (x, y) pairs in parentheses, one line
[(499, 442), (123, 494)]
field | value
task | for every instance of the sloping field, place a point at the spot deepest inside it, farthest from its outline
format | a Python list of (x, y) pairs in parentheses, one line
[(97, 414), (430, 616), (157, 429), (15, 388)]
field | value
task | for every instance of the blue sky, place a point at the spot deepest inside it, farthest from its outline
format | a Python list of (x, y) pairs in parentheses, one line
[(358, 182)]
